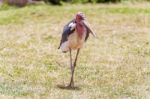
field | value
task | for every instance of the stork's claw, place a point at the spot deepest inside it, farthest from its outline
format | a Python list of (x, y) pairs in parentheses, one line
[(71, 85)]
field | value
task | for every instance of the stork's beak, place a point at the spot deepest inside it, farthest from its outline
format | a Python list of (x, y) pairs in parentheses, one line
[(88, 27)]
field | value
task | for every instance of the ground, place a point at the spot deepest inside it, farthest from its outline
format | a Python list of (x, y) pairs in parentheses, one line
[(115, 65)]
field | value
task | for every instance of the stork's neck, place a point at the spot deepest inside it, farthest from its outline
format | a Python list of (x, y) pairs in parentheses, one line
[(80, 29)]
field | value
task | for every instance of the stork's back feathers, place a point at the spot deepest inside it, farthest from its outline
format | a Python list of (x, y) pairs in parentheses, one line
[(68, 29)]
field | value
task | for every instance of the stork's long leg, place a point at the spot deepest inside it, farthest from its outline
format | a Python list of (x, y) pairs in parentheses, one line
[(76, 58), (73, 67)]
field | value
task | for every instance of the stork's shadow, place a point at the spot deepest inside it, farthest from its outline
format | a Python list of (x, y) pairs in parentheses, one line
[(64, 87)]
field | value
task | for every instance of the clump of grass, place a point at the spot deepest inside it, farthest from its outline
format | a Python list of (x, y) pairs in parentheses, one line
[(4, 7)]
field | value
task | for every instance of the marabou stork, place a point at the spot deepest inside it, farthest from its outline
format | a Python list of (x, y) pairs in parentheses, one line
[(75, 33)]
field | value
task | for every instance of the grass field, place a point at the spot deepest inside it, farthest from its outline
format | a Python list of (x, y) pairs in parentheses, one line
[(116, 65)]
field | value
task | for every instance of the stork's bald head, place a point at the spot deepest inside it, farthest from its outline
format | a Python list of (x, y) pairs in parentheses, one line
[(80, 16)]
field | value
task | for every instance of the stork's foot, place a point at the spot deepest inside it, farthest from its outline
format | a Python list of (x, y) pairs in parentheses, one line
[(71, 85)]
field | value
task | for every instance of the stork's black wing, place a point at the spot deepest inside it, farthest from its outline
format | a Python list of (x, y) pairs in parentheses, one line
[(66, 32)]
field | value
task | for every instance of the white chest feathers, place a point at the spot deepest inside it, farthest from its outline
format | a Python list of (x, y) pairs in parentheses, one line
[(73, 42)]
